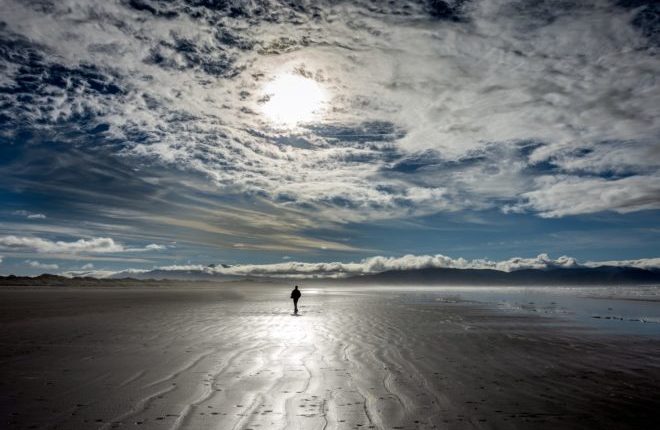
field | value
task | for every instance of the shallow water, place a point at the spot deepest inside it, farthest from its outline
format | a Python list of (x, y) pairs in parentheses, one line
[(614, 310)]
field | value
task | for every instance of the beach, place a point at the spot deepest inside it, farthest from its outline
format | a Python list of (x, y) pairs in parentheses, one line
[(204, 356)]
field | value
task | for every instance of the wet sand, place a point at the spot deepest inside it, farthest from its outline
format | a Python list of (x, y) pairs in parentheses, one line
[(235, 358)]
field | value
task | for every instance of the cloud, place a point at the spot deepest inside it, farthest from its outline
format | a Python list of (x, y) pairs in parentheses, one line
[(468, 85), (382, 264), (642, 263), (99, 274), (559, 196), (30, 215), (96, 245), (37, 265), (373, 265)]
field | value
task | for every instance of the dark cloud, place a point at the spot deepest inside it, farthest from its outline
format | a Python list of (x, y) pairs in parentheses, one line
[(366, 132), (451, 10), (180, 53), (646, 18), (44, 92), (157, 9)]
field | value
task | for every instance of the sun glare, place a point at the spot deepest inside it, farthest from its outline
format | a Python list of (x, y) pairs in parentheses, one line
[(292, 100)]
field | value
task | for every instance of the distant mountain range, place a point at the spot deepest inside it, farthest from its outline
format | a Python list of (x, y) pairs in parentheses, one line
[(63, 281), (604, 275), (179, 275)]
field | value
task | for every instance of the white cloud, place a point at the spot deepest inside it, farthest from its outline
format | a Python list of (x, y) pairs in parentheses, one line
[(30, 215), (96, 245), (569, 195), (88, 273), (377, 265), (573, 77), (37, 265), (642, 263)]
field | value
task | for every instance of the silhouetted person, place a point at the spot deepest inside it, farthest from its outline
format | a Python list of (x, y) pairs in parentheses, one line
[(295, 295)]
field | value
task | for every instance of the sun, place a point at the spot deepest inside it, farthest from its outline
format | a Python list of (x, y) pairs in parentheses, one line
[(293, 99)]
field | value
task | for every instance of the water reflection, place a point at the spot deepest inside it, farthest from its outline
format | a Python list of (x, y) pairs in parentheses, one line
[(623, 310)]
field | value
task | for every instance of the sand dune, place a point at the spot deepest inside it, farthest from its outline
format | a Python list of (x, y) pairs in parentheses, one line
[(235, 358)]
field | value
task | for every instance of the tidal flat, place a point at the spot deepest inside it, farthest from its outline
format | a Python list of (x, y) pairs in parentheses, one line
[(232, 356)]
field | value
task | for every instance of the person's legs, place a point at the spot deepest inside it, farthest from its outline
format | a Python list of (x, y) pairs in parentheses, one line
[(295, 306)]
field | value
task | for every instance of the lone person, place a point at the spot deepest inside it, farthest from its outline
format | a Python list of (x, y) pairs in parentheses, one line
[(295, 295)]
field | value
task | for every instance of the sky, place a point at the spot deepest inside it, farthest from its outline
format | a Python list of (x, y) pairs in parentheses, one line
[(140, 134)]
